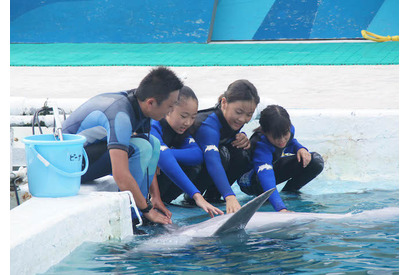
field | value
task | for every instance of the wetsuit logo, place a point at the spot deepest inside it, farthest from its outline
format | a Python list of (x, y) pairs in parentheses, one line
[(163, 148), (265, 167), (211, 148), (191, 140)]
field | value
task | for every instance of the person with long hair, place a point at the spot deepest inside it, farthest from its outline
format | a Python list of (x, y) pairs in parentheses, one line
[(225, 148)]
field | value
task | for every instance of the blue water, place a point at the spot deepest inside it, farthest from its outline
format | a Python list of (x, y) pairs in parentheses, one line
[(345, 246)]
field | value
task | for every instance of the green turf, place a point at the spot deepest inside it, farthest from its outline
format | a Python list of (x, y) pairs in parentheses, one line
[(361, 53)]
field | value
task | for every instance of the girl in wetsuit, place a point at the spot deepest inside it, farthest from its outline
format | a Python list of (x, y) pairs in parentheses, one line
[(277, 157), (217, 131), (179, 153)]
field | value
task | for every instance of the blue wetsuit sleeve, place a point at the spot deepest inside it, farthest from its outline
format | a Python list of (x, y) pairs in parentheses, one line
[(156, 131), (263, 168), (207, 137), (189, 153), (169, 165), (293, 145)]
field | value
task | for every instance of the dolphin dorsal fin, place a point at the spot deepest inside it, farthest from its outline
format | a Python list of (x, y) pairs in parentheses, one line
[(241, 218)]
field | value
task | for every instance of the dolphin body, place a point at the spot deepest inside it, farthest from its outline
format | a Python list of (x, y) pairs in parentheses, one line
[(251, 221), (269, 221)]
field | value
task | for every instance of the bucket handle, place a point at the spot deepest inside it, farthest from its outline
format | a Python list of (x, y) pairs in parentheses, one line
[(64, 173)]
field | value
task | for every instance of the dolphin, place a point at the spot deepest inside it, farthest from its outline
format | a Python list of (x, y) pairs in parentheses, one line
[(268, 221), (252, 222), (177, 237)]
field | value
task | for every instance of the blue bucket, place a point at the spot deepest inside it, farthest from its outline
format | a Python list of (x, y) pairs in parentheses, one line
[(54, 166)]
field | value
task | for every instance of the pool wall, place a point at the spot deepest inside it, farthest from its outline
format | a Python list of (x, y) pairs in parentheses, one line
[(201, 21), (312, 19), (355, 144)]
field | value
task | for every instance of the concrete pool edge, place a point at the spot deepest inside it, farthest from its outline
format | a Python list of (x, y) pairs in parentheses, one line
[(45, 230)]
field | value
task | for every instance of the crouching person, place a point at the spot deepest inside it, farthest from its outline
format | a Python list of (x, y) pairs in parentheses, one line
[(278, 157), (180, 154), (117, 126)]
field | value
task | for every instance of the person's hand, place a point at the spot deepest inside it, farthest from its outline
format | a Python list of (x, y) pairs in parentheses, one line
[(284, 210), (304, 156), (159, 205), (156, 217), (241, 141), (232, 204), (206, 206)]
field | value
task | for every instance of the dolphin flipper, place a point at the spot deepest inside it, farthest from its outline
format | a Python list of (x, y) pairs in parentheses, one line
[(239, 220)]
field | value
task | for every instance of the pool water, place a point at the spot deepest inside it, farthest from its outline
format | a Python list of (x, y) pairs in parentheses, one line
[(368, 246)]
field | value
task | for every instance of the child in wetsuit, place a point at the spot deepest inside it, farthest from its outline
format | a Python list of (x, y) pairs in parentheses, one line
[(180, 154), (217, 131), (277, 157)]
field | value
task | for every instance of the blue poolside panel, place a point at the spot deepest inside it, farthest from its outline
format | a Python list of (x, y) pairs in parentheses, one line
[(239, 20), (344, 19), (191, 21), (110, 21), (304, 19), (386, 21), (288, 19)]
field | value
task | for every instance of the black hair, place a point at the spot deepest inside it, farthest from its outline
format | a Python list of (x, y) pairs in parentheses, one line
[(240, 90), (274, 120), (159, 83), (185, 92)]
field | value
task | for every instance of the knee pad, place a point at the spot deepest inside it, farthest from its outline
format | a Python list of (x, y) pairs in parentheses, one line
[(192, 171), (141, 148), (317, 162), (156, 146), (225, 156)]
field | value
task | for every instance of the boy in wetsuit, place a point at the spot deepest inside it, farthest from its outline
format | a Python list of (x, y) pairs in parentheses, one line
[(277, 157), (116, 126)]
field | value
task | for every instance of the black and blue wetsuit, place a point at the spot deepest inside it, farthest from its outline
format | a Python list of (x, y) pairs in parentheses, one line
[(179, 156), (273, 165), (223, 163), (110, 121)]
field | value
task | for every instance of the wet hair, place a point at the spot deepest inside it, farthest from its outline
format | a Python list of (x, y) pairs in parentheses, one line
[(274, 120), (240, 90), (185, 93), (159, 83)]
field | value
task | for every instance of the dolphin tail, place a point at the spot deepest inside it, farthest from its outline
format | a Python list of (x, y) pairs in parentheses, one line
[(241, 218)]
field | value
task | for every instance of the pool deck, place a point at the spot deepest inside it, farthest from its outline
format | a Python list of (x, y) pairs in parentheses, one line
[(45, 230), (313, 87), (356, 52)]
